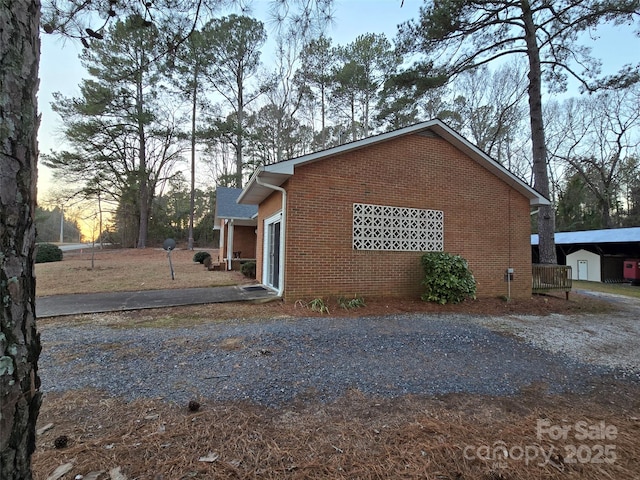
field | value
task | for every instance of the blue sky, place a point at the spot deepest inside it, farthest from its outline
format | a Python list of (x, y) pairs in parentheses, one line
[(60, 69)]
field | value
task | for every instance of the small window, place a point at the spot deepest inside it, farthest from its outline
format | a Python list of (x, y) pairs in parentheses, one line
[(380, 227)]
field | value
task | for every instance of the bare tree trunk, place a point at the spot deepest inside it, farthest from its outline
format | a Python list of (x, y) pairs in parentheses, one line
[(19, 340), (365, 119), (323, 115), (192, 197), (240, 132), (144, 203), (143, 176), (100, 220), (607, 221), (546, 214), (353, 118)]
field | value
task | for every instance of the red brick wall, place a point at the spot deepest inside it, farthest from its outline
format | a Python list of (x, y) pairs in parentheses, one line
[(485, 221), (244, 241)]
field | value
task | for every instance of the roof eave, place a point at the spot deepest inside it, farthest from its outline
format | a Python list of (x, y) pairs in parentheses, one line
[(230, 217), (539, 201), (254, 193)]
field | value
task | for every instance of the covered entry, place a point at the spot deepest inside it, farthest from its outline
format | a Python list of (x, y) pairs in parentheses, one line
[(237, 226)]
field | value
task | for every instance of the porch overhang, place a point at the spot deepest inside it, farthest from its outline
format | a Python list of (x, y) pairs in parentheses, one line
[(241, 222)]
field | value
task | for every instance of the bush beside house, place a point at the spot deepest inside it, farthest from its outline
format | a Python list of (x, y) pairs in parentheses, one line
[(447, 278)]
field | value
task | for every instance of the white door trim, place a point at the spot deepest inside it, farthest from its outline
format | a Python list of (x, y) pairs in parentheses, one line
[(266, 252)]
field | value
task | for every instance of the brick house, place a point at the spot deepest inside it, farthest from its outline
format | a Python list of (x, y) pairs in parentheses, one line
[(355, 219), (237, 226)]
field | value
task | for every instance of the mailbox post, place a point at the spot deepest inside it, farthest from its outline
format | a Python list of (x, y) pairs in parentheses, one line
[(169, 244)]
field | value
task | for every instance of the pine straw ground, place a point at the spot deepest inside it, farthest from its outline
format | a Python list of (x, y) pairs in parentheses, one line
[(453, 437), (357, 437)]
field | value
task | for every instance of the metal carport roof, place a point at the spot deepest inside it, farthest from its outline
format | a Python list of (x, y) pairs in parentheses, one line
[(585, 237)]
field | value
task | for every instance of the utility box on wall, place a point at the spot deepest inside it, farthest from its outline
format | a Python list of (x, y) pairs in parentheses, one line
[(632, 270)]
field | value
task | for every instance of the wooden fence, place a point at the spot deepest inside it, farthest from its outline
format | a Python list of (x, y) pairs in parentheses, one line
[(551, 277)]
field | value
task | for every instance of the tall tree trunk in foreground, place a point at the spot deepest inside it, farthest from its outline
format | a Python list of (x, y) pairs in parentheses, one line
[(19, 341)]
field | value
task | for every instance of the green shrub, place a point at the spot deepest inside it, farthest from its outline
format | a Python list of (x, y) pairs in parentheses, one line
[(48, 252), (447, 278), (200, 256), (248, 269)]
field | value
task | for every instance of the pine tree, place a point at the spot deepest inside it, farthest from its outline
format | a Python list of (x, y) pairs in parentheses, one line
[(461, 35)]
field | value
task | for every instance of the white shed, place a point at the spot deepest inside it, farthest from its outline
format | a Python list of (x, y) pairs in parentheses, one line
[(585, 265)]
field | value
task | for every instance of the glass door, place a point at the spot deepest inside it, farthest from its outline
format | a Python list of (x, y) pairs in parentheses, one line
[(272, 252)]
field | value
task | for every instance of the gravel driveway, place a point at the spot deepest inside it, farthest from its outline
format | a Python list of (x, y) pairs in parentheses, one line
[(276, 361)]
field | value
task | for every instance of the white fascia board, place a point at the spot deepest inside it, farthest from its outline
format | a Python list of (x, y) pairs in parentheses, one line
[(285, 168), (250, 183), (539, 202)]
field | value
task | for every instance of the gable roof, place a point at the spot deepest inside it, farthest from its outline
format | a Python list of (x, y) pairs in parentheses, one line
[(278, 173), (227, 206), (610, 235)]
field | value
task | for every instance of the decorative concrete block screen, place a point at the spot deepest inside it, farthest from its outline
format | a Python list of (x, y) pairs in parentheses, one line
[(380, 227)]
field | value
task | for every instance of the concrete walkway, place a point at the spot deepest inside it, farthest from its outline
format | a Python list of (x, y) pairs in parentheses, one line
[(59, 305)]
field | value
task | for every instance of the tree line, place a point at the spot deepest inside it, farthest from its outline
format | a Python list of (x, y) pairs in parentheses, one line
[(53, 226), (213, 103)]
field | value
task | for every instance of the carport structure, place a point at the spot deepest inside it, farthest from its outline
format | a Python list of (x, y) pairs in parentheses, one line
[(595, 255)]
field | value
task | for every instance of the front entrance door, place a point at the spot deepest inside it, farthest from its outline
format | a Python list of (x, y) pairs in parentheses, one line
[(272, 252), (582, 270)]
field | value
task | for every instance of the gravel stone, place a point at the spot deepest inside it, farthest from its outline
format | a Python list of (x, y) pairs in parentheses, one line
[(273, 362)]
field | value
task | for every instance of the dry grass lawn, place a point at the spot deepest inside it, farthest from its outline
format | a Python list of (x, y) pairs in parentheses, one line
[(127, 270), (625, 289)]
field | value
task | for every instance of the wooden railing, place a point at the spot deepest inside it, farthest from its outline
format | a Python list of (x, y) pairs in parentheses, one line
[(551, 277)]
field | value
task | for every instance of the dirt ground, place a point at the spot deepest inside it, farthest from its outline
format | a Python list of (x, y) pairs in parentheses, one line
[(532, 435)]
